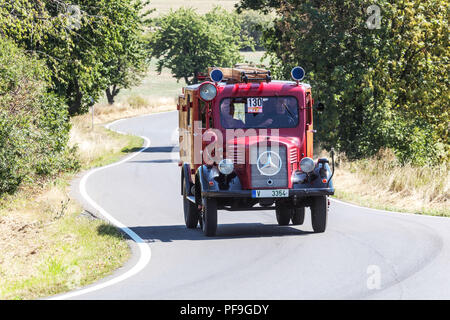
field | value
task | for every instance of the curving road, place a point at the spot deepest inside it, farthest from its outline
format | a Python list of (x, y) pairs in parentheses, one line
[(364, 254)]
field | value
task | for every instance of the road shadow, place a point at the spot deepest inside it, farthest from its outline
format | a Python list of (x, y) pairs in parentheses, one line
[(154, 149), (224, 231)]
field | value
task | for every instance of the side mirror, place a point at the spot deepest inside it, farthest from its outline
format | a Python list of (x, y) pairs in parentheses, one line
[(320, 106)]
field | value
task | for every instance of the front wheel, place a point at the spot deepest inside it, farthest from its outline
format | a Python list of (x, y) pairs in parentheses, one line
[(319, 213), (191, 214), (298, 216), (283, 214), (209, 217)]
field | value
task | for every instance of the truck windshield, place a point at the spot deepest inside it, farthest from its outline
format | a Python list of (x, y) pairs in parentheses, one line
[(259, 112)]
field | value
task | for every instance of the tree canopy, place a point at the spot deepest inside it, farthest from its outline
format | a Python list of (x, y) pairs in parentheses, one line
[(57, 58), (34, 126), (384, 86), (187, 43), (88, 45)]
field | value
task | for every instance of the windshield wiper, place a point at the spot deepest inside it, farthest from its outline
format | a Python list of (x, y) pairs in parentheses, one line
[(289, 111)]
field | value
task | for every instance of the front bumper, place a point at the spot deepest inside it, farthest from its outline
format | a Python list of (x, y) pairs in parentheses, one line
[(301, 193)]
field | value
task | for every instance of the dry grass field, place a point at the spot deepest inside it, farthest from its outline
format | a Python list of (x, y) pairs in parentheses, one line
[(381, 183)]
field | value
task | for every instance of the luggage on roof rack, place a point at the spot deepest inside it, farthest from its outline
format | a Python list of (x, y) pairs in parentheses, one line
[(240, 73)]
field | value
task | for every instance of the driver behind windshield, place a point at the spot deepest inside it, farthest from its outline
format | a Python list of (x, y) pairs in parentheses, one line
[(283, 116), (275, 112)]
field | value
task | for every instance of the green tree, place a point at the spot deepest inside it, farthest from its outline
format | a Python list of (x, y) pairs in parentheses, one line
[(34, 126), (187, 43), (253, 24), (127, 68), (130, 61), (383, 87), (87, 44)]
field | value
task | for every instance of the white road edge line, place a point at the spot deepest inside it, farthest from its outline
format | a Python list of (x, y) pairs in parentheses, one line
[(112, 123), (144, 248)]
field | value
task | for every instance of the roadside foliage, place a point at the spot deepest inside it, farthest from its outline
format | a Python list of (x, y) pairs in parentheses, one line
[(88, 45), (34, 127), (382, 71), (57, 59), (188, 43)]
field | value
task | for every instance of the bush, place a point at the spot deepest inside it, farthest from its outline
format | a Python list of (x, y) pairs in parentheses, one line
[(137, 102), (12, 152), (34, 124)]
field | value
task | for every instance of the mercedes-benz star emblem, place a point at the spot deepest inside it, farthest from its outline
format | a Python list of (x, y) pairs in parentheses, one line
[(269, 163)]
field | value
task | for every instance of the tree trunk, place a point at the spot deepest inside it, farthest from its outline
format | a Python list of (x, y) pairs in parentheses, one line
[(109, 96), (111, 93), (75, 104), (195, 80)]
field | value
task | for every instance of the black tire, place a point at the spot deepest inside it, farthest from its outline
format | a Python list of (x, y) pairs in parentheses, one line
[(319, 213), (298, 216), (283, 215), (209, 217), (191, 213)]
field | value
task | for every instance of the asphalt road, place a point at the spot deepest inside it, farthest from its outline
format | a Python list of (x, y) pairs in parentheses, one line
[(364, 254)]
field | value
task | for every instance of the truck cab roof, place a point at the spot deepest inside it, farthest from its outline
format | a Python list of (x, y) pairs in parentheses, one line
[(272, 84)]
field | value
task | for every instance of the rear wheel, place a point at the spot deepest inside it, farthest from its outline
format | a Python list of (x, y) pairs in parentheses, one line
[(191, 213), (319, 213), (209, 217), (298, 216), (283, 214)]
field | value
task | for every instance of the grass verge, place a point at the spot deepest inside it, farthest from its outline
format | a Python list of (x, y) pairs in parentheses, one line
[(382, 183), (47, 244)]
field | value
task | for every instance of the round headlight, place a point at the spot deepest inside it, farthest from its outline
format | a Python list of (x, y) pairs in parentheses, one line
[(226, 166), (208, 91), (307, 165)]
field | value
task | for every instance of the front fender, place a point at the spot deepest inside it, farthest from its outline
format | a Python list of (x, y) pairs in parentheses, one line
[(315, 180), (208, 183)]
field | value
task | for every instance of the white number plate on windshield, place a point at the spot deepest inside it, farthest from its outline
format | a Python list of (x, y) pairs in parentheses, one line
[(254, 105), (276, 193)]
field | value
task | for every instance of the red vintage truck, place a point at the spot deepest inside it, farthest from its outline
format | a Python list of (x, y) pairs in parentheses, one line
[(246, 143)]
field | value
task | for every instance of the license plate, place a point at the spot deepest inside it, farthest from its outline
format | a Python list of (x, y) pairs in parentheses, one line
[(275, 193)]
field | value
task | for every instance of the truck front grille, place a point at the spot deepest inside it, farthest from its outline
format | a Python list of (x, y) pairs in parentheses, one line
[(236, 153), (259, 180), (293, 155)]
